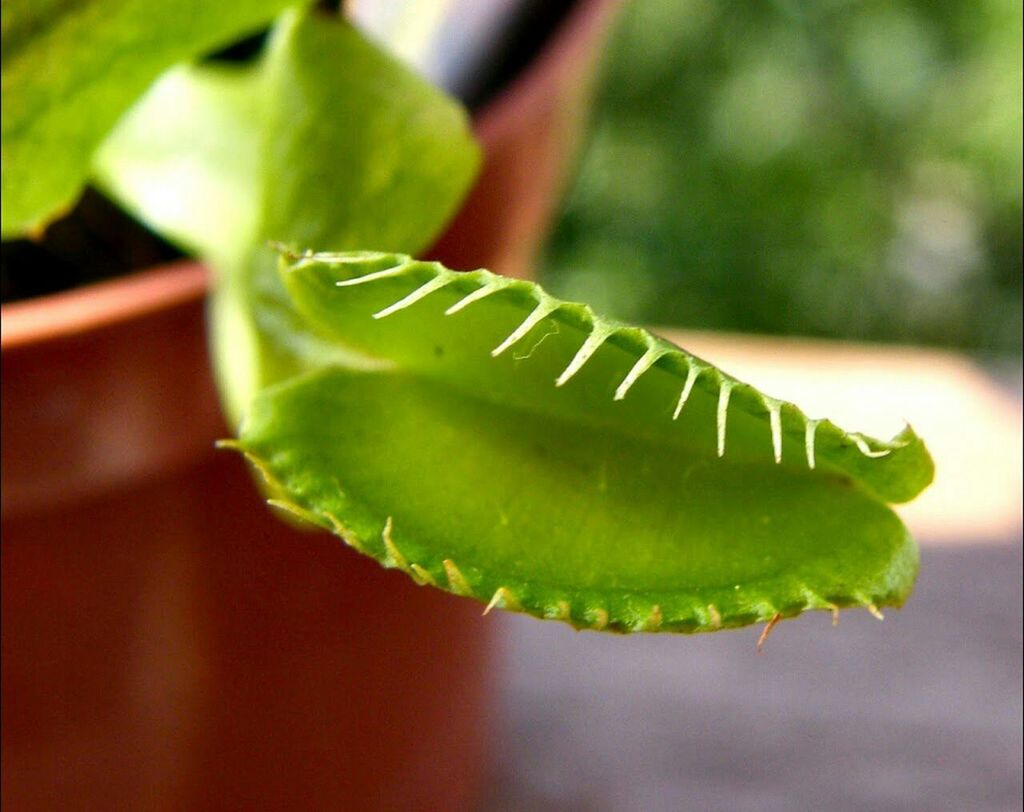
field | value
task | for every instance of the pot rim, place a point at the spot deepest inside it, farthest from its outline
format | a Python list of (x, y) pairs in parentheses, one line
[(60, 315), (79, 310)]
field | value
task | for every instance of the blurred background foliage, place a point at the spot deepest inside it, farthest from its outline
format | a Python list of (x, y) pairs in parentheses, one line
[(821, 168)]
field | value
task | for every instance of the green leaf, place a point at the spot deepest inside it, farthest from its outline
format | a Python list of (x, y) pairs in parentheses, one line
[(358, 150), (185, 159), (526, 452), (71, 69), (327, 140)]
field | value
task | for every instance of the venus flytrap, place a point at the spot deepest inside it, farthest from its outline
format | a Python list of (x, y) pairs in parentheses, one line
[(567, 482)]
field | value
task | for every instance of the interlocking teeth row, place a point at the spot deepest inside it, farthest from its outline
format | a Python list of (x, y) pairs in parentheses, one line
[(600, 332)]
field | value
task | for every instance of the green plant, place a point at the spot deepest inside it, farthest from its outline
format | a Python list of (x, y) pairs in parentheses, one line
[(468, 429)]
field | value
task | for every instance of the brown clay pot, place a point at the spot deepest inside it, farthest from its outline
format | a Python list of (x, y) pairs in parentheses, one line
[(167, 643)]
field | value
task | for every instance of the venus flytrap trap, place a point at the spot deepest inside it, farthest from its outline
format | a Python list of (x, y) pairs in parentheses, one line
[(603, 477)]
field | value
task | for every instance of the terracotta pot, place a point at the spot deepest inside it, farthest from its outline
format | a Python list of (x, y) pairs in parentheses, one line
[(169, 644), (530, 135)]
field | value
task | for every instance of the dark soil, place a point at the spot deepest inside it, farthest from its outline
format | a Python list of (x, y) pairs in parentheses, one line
[(96, 240)]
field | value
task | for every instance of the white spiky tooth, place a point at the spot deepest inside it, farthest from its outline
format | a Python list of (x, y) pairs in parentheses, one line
[(457, 582), (423, 290), (691, 378), (350, 258), (590, 346), (775, 420), (543, 309), (771, 624), (293, 509), (644, 363), (865, 449), (394, 555), (654, 619), (344, 533), (810, 427), (723, 412), (371, 277), (869, 605), (503, 598), (486, 290)]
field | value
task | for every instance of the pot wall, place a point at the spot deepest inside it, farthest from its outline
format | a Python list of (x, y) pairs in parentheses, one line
[(529, 138), (172, 646)]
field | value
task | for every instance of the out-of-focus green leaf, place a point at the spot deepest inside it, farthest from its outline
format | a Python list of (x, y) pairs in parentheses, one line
[(71, 69), (186, 159), (325, 140), (357, 149)]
